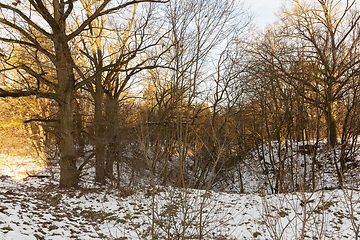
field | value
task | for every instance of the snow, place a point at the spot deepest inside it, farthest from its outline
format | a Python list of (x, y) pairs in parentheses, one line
[(38, 209)]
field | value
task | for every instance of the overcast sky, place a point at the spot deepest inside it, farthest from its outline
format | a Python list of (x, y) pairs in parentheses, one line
[(263, 10)]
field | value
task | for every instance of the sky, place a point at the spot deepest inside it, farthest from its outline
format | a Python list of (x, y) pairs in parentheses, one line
[(263, 10)]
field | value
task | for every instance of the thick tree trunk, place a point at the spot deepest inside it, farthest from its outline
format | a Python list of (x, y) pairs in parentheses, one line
[(332, 130), (69, 175)]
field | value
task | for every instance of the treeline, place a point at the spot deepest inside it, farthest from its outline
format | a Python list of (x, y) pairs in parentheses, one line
[(186, 93)]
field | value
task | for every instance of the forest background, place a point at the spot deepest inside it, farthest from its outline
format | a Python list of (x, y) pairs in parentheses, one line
[(186, 94)]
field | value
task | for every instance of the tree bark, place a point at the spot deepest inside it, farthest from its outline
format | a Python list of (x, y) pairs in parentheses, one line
[(112, 110), (99, 134), (69, 176), (331, 125)]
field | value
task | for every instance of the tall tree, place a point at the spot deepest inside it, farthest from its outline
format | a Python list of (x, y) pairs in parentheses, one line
[(126, 47), (46, 29)]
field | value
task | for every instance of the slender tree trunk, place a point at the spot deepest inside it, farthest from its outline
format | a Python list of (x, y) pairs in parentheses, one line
[(332, 135), (99, 134), (330, 119), (79, 129), (112, 109)]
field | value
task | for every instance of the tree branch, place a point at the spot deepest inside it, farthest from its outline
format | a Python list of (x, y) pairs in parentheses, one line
[(27, 19), (99, 12)]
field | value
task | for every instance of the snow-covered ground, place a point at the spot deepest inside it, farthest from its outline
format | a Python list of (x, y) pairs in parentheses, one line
[(36, 208)]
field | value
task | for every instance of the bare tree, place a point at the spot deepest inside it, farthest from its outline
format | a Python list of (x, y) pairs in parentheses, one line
[(177, 96), (46, 28), (126, 46), (314, 49)]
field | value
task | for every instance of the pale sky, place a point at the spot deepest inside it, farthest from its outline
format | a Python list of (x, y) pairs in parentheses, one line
[(263, 10)]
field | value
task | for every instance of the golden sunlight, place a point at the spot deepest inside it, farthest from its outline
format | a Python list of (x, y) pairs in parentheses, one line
[(19, 167)]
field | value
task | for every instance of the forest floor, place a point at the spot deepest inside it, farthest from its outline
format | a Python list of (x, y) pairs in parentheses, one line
[(36, 208)]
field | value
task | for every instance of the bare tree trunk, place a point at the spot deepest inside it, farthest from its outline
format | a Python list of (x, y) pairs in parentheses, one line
[(331, 125), (99, 135), (69, 176), (112, 109), (79, 129)]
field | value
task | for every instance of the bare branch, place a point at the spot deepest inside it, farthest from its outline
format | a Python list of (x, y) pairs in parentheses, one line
[(100, 12), (28, 20)]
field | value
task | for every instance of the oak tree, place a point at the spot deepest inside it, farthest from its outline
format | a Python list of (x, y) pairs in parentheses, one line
[(47, 30)]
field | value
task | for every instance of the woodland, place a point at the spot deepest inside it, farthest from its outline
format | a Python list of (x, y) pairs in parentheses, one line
[(177, 119), (185, 94)]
